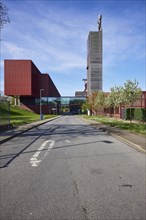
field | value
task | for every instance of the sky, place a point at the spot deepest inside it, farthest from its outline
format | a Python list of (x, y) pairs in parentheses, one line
[(53, 34)]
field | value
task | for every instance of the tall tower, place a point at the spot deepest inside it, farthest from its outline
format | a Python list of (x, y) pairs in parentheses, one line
[(94, 59)]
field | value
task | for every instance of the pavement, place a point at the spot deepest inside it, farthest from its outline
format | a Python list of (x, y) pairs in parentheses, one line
[(6, 135), (134, 140), (137, 141)]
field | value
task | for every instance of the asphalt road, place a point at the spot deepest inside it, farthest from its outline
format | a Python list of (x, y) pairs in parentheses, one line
[(69, 170)]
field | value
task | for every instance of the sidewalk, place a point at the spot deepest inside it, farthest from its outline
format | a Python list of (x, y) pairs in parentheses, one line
[(9, 134), (137, 141)]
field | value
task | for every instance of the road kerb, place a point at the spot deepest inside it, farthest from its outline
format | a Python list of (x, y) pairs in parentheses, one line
[(26, 128), (136, 146)]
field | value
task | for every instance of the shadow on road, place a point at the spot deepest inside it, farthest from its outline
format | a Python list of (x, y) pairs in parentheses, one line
[(63, 131)]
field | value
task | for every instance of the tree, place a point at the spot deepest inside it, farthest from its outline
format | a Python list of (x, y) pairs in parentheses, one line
[(85, 106), (4, 16), (92, 103), (116, 96), (114, 99), (89, 105), (130, 94), (100, 100)]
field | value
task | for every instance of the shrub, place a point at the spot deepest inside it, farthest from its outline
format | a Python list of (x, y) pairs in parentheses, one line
[(138, 114)]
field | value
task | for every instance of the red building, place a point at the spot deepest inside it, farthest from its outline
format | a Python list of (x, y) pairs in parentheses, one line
[(118, 112), (22, 78)]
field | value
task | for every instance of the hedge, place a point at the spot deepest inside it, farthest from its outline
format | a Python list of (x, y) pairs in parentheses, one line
[(138, 114)]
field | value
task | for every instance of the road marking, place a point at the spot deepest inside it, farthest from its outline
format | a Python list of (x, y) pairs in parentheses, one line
[(50, 147), (34, 159), (35, 162), (67, 141)]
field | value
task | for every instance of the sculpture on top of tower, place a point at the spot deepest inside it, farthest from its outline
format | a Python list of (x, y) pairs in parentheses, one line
[(99, 22)]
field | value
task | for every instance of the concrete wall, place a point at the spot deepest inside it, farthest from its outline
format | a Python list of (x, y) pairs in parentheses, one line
[(94, 62)]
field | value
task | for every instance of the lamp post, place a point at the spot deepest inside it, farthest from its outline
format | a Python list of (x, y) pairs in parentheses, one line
[(55, 106), (41, 115)]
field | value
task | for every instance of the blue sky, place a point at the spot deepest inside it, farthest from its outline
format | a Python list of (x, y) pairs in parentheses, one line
[(53, 34)]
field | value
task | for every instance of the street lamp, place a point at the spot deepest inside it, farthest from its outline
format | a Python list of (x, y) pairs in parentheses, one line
[(41, 115)]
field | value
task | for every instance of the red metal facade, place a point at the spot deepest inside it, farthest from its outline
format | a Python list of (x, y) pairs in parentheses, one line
[(17, 77), (23, 78), (36, 79)]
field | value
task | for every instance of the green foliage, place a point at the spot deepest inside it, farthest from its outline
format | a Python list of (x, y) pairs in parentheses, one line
[(134, 127), (15, 110), (115, 97), (118, 96), (138, 114), (3, 109), (4, 113), (130, 93), (126, 95), (85, 106), (89, 104), (100, 100), (20, 116), (129, 114)]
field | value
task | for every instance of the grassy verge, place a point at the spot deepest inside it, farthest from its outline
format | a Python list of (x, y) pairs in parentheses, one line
[(20, 117), (134, 126)]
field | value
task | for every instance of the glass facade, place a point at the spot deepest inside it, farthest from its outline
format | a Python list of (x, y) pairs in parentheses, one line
[(60, 100), (62, 104)]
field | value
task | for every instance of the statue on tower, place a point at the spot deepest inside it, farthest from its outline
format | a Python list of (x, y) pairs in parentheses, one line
[(99, 22)]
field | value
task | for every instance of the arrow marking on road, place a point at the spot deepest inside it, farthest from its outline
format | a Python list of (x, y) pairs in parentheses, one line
[(34, 161), (67, 141)]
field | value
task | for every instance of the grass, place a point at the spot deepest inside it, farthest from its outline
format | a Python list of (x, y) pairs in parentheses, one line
[(20, 117), (136, 127)]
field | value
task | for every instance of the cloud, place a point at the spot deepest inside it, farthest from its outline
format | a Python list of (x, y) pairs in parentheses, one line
[(54, 36), (62, 51), (13, 49), (122, 38), (2, 64), (58, 60)]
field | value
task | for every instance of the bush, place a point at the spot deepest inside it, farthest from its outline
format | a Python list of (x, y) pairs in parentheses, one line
[(138, 114), (4, 113)]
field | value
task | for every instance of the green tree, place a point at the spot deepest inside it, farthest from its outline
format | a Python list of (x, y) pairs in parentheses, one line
[(130, 94), (85, 106), (89, 105), (114, 99), (92, 103), (100, 100)]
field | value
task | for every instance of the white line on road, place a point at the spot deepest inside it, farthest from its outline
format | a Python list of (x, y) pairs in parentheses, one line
[(34, 161), (67, 141)]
